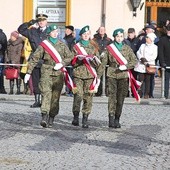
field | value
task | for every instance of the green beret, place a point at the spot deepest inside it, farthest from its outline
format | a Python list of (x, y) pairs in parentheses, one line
[(117, 31), (52, 27), (84, 29)]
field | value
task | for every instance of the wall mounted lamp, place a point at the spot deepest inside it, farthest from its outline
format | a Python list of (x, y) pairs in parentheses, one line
[(135, 4)]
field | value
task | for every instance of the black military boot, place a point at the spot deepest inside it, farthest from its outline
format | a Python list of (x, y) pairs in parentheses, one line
[(50, 121), (84, 121), (111, 121), (3, 91), (75, 121), (25, 88), (11, 84), (116, 122), (18, 82), (37, 101), (44, 120)]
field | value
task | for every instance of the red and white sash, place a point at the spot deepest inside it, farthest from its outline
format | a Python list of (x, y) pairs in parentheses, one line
[(81, 51), (134, 84), (57, 58)]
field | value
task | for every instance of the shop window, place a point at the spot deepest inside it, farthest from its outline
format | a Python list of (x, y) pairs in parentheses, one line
[(56, 11)]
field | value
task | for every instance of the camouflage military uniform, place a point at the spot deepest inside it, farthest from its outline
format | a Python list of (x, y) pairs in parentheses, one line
[(83, 78), (51, 81), (117, 80)]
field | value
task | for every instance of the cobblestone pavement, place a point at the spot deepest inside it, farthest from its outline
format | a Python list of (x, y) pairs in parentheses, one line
[(143, 142)]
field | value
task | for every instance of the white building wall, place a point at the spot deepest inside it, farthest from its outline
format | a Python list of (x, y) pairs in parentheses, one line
[(85, 12), (11, 12), (118, 14)]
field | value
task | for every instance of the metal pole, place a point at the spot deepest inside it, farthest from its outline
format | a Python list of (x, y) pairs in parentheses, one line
[(104, 83), (163, 84), (103, 22)]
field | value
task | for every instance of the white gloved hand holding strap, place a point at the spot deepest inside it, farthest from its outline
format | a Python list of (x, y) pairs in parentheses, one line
[(81, 57), (58, 66), (26, 78), (122, 67), (97, 85)]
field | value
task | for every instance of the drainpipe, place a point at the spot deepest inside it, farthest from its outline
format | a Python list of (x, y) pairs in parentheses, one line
[(103, 13)]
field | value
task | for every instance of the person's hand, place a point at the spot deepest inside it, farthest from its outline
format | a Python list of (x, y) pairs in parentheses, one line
[(143, 60), (26, 78), (122, 67), (97, 85), (58, 66), (147, 65), (32, 22)]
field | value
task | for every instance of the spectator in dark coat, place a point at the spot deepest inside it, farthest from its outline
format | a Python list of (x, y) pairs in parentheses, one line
[(103, 41), (3, 46), (164, 57), (13, 56), (69, 40), (132, 40)]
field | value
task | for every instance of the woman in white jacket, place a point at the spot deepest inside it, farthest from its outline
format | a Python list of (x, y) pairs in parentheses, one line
[(146, 55)]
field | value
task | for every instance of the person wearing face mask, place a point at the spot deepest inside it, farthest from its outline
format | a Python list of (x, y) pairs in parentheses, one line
[(36, 34), (120, 59), (85, 75), (146, 55), (164, 57), (55, 55)]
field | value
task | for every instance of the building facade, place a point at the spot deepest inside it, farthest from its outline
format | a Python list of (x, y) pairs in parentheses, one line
[(81, 12)]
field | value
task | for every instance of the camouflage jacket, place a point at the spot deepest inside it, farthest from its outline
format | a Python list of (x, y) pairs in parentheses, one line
[(113, 66), (79, 69), (47, 68)]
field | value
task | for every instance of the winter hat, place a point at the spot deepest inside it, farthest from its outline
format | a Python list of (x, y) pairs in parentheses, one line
[(150, 26), (153, 23), (152, 36), (15, 34), (70, 27)]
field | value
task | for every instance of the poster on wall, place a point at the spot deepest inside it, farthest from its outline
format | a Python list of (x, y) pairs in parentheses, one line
[(54, 14)]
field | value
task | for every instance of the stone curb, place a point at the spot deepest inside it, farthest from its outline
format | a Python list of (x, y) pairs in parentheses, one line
[(103, 99)]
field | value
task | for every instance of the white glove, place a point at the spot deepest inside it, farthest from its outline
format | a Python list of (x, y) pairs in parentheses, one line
[(81, 57), (97, 60), (58, 66), (97, 85), (122, 67), (26, 78)]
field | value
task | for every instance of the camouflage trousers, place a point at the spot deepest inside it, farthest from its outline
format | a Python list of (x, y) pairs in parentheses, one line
[(51, 88), (83, 95), (117, 91)]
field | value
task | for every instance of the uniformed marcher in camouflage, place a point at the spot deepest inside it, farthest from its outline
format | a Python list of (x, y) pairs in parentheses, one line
[(52, 78), (83, 77), (117, 77)]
